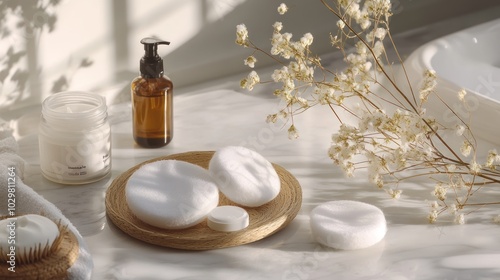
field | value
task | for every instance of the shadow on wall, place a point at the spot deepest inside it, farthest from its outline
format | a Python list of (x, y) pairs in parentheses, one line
[(206, 54), (211, 53), (220, 56), (21, 25)]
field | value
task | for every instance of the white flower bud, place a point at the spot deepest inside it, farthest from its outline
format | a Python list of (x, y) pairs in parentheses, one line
[(282, 9)]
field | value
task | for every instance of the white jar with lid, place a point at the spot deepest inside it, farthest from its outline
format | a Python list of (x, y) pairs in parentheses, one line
[(74, 138)]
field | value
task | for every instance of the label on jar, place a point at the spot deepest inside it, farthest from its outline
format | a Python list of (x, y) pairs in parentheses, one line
[(76, 161)]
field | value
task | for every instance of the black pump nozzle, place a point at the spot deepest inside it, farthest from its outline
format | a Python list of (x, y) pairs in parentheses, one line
[(151, 65)]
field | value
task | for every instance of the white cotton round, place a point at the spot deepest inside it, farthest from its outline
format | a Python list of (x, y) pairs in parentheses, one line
[(347, 225), (171, 194), (244, 176)]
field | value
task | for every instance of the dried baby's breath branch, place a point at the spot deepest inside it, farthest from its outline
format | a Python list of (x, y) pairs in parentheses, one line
[(380, 118)]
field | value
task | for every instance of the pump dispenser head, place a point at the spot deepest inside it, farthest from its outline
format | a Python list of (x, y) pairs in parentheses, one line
[(151, 65)]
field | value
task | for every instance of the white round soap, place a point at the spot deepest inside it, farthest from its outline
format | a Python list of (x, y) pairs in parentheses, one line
[(347, 225), (171, 194), (244, 176), (27, 231), (228, 218)]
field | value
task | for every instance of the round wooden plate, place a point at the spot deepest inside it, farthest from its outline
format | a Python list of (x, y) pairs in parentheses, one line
[(265, 220)]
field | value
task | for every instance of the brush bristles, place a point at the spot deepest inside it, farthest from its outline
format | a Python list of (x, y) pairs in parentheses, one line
[(39, 252)]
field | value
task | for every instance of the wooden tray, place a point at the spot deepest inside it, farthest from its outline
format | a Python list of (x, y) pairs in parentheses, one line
[(265, 220)]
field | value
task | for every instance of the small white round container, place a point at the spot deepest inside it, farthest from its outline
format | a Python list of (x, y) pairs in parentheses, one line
[(74, 138), (228, 218)]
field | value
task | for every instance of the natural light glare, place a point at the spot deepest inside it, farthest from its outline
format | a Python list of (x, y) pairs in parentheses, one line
[(77, 39), (83, 31), (217, 9)]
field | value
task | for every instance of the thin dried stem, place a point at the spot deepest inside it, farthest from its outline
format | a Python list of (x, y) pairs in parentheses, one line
[(398, 139)]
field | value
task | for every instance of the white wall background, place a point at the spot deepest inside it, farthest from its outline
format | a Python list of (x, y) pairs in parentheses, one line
[(93, 45)]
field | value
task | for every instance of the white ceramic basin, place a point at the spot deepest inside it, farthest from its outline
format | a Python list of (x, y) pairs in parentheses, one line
[(468, 59)]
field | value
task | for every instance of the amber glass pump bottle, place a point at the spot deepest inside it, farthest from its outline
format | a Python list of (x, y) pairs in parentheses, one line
[(152, 108)]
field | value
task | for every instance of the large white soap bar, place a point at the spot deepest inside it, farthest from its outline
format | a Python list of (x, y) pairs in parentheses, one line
[(348, 225), (171, 194), (244, 176), (28, 231)]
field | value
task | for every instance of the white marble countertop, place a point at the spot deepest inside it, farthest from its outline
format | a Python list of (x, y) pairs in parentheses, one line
[(218, 114)]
